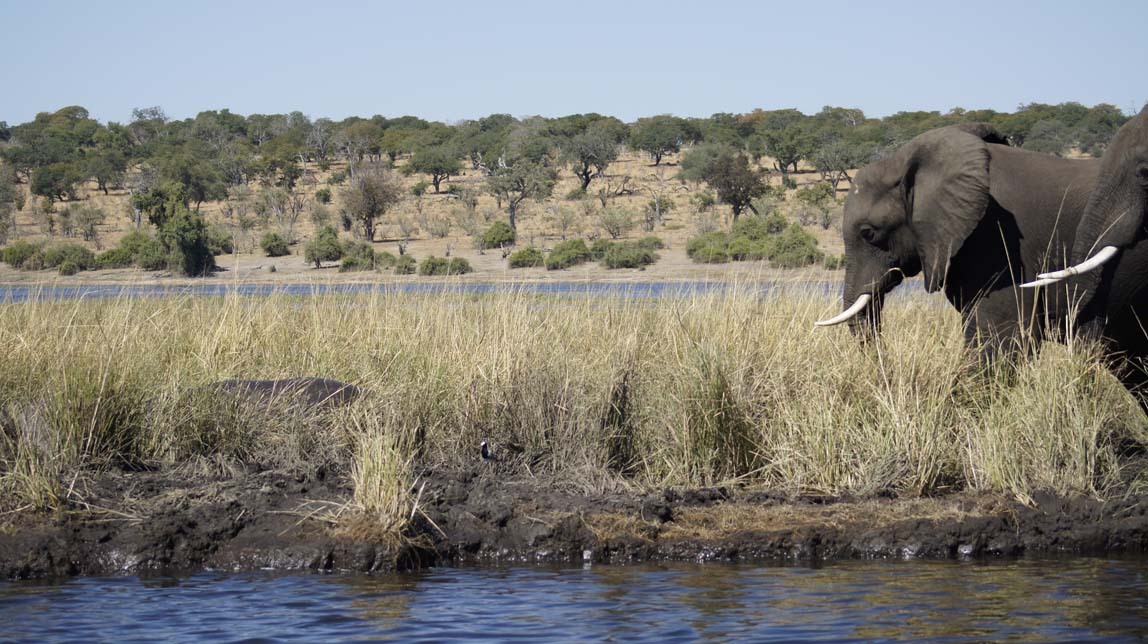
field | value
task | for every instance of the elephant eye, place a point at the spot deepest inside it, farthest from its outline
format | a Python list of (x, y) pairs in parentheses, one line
[(868, 234), (1143, 173)]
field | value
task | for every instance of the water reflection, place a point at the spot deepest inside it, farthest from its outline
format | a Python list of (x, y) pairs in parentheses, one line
[(1028, 600)]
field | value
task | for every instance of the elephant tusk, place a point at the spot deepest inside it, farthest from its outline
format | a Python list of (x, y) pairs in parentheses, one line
[(1092, 263), (847, 313), (1036, 283)]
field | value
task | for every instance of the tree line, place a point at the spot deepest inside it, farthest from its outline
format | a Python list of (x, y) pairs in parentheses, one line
[(170, 166)]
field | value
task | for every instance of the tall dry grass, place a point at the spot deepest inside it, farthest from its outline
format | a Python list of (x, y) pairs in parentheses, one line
[(592, 392)]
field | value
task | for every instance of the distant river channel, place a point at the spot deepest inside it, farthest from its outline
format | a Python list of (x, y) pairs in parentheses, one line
[(1038, 600)]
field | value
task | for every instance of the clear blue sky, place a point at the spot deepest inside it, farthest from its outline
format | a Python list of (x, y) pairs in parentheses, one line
[(451, 60)]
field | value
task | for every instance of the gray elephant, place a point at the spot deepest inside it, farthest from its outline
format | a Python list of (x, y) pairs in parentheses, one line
[(977, 218), (1115, 216), (1109, 254), (299, 393)]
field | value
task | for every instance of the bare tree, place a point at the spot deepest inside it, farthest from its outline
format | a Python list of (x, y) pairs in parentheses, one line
[(284, 207), (616, 186)]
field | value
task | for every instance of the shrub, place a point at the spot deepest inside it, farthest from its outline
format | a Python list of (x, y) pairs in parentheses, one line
[(337, 178), (78, 256), (616, 221), (743, 248), (755, 228), (274, 245), (628, 255), (526, 258), (405, 265), (118, 257), (701, 242), (498, 235), (185, 242), (323, 195), (651, 242), (793, 248), (19, 252), (834, 262), (420, 188), (361, 256), (567, 254), (220, 240), (68, 267), (599, 248), (151, 256), (577, 194), (324, 247), (443, 266)]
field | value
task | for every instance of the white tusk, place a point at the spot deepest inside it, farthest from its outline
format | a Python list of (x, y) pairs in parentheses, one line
[(1092, 263), (858, 304), (1036, 283)]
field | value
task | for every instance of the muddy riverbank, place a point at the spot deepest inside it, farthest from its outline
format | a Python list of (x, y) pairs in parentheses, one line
[(172, 522)]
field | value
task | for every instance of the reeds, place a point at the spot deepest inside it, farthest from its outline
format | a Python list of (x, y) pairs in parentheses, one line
[(592, 391)]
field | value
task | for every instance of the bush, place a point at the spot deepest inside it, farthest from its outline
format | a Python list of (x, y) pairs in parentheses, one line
[(69, 268), (405, 265), (793, 248), (443, 266), (324, 247), (743, 248), (756, 228), (651, 242), (834, 262), (628, 255), (80, 258), (498, 235), (702, 242), (599, 248), (567, 254), (577, 194), (526, 258), (274, 245), (361, 256), (616, 221), (185, 242), (323, 195), (19, 252), (220, 240), (420, 188), (337, 178), (151, 256), (118, 257)]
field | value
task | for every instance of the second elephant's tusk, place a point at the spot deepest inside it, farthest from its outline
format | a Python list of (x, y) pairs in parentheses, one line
[(1036, 283), (858, 304), (1090, 264)]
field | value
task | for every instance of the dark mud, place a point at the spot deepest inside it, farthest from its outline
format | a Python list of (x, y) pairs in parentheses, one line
[(163, 522)]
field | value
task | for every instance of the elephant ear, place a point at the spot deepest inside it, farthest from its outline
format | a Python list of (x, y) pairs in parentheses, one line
[(946, 191)]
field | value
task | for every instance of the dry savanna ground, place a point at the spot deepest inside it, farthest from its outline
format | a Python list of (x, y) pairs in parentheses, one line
[(633, 175)]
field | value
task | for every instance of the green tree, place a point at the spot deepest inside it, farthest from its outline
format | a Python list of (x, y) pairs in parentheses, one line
[(1049, 136), (524, 180), (159, 203), (56, 181), (192, 166), (185, 239), (325, 247), (658, 136), (589, 153), (729, 172), (372, 192), (439, 161)]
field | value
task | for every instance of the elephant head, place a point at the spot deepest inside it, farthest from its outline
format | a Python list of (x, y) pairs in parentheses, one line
[(1116, 210), (910, 212)]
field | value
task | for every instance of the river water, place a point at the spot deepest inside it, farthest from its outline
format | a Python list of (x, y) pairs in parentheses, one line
[(1077, 599)]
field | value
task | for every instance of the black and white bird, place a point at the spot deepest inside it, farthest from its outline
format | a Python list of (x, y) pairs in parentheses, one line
[(487, 455)]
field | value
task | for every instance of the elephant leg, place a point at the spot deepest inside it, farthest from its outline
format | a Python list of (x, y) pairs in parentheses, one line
[(996, 326)]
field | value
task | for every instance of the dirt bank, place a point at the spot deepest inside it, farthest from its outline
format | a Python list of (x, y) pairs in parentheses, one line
[(173, 522)]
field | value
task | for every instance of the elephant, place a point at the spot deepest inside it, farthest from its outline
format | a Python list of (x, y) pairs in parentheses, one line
[(1114, 217), (976, 217), (299, 393)]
